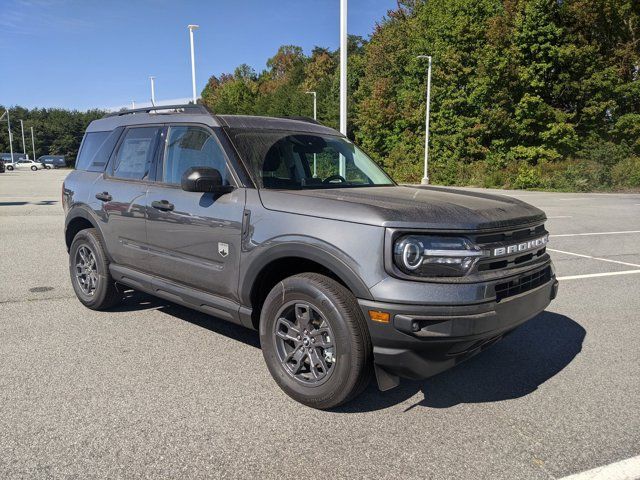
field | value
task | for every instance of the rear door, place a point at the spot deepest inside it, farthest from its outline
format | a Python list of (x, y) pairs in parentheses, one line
[(194, 238), (122, 191)]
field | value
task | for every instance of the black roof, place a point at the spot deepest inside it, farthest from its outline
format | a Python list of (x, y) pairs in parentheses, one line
[(198, 113), (299, 124)]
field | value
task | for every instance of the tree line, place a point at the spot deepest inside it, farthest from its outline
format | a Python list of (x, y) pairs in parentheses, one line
[(56, 131), (525, 93)]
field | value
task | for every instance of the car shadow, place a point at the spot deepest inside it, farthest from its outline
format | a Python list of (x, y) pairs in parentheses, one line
[(514, 367), (137, 301)]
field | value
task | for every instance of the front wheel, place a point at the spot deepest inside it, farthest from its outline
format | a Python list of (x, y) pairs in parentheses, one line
[(315, 340), (34, 168), (9, 167)]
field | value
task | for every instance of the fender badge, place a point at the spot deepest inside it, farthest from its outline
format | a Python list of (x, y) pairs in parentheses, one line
[(223, 249)]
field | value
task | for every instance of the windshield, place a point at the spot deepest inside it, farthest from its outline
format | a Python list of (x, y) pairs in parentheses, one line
[(289, 160)]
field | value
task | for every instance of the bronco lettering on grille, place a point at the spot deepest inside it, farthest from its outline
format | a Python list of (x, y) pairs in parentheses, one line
[(520, 247)]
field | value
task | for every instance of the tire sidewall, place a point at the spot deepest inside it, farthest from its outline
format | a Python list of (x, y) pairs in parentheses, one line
[(304, 290), (88, 238), (34, 168)]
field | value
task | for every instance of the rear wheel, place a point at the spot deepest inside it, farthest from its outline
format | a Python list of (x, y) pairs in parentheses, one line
[(9, 167), (315, 341), (89, 269), (34, 168)]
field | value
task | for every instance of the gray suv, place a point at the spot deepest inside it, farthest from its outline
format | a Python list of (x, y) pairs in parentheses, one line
[(284, 226)]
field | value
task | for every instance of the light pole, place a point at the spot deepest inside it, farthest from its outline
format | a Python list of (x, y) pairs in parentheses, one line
[(343, 78), (6, 112), (133, 104), (315, 117), (315, 111), (193, 61), (24, 145), (153, 91), (33, 144), (425, 179)]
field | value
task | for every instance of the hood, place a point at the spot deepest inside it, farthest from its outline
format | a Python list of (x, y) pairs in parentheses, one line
[(423, 207)]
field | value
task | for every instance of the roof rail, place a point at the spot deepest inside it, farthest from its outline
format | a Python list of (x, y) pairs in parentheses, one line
[(302, 118), (198, 108)]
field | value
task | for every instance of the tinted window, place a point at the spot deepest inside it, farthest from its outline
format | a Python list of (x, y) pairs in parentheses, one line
[(191, 146), (90, 145), (290, 160), (136, 153)]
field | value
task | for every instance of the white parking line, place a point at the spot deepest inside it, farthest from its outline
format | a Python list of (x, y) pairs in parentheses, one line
[(593, 233), (594, 258), (628, 469), (591, 275), (561, 216), (572, 199)]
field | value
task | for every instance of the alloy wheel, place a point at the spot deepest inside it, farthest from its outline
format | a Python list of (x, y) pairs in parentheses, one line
[(305, 343), (86, 270)]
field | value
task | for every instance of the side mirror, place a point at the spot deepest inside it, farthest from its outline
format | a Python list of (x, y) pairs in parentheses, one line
[(203, 179)]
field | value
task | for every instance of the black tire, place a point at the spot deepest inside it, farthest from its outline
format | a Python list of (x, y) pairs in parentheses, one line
[(351, 355), (104, 294), (34, 168), (9, 167)]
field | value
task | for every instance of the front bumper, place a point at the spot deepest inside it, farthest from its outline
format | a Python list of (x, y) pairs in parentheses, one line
[(422, 340)]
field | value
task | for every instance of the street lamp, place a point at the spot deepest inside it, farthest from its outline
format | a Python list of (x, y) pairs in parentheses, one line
[(343, 79), (6, 112), (425, 179), (315, 111), (153, 92), (24, 145), (315, 117), (33, 144), (193, 61)]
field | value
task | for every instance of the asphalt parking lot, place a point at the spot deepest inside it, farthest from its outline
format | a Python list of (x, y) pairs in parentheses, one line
[(155, 390)]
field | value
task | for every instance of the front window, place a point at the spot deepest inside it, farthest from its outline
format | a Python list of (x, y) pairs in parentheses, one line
[(191, 146), (289, 160)]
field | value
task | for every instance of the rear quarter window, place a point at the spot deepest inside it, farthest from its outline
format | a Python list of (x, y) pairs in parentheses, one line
[(96, 149)]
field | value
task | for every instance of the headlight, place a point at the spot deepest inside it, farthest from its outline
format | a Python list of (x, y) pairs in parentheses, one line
[(430, 256)]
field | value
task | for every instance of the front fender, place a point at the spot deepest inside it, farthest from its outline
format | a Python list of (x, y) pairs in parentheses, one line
[(314, 250)]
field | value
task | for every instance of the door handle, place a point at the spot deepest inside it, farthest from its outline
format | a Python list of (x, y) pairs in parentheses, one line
[(104, 196), (163, 205)]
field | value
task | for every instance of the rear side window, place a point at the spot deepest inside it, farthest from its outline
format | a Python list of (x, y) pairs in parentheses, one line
[(135, 153), (90, 146)]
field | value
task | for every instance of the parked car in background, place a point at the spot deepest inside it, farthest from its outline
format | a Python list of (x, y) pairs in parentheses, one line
[(1, 165), (52, 161), (25, 163), (6, 157)]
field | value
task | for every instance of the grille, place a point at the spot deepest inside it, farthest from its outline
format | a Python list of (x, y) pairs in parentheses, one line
[(493, 240), (522, 284), (515, 235)]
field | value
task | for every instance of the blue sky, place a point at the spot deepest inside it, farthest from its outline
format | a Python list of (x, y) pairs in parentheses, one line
[(91, 53)]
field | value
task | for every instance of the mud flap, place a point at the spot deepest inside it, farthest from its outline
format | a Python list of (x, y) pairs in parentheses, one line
[(386, 380)]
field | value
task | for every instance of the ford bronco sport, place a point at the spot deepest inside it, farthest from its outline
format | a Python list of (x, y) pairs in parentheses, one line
[(284, 226)]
